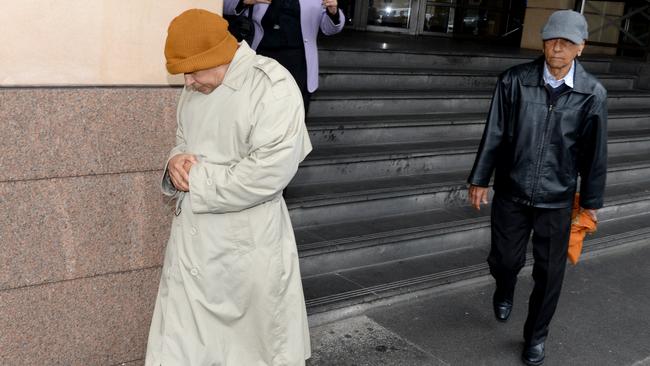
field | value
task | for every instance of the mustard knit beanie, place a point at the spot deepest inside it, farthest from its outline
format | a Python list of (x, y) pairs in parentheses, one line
[(198, 40)]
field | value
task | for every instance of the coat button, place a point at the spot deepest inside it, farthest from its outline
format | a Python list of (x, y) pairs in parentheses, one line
[(193, 231), (194, 271), (209, 182)]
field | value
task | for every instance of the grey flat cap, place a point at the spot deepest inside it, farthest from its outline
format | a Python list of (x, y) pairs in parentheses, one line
[(566, 24)]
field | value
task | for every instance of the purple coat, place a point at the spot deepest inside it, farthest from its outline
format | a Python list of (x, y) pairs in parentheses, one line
[(312, 18)]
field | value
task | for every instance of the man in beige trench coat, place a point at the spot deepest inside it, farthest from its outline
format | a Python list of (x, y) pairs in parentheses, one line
[(230, 292)]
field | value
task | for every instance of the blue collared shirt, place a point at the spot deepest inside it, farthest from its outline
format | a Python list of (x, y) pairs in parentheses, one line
[(568, 78)]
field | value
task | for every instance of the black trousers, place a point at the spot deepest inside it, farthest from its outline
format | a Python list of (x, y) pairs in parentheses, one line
[(293, 59), (512, 224)]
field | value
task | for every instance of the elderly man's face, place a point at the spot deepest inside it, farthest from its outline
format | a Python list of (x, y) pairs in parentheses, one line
[(206, 81), (560, 52)]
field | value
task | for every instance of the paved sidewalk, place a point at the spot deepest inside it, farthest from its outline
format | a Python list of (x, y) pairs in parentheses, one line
[(603, 319)]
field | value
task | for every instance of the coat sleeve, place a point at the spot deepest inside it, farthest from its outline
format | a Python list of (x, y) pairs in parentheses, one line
[(592, 155), (278, 143), (167, 186), (492, 137), (328, 27)]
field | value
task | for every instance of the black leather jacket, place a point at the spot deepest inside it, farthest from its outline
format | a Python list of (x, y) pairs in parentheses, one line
[(537, 148)]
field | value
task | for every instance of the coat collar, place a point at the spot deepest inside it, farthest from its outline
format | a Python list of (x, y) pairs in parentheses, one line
[(583, 82), (239, 67)]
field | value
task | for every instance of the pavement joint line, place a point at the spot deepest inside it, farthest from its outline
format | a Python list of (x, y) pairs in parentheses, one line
[(416, 346)]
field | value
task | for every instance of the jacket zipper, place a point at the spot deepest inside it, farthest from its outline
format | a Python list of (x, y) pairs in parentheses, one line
[(540, 155), (542, 149)]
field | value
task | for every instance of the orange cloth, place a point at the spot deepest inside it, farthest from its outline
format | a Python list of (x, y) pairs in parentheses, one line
[(582, 223), (198, 40)]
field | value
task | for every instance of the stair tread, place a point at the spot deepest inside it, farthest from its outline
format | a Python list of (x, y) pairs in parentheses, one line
[(331, 284), (402, 46), (298, 195), (431, 146), (403, 118), (417, 70), (371, 281), (337, 234), (334, 235), (434, 118), (392, 148), (433, 93), (629, 134)]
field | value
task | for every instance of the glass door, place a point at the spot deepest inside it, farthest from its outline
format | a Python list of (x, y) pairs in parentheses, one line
[(499, 20), (392, 15), (438, 17), (483, 19)]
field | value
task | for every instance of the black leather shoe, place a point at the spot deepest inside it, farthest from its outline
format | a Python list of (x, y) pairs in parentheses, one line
[(533, 355), (502, 309)]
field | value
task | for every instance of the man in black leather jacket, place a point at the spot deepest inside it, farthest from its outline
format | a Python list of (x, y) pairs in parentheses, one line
[(546, 126)]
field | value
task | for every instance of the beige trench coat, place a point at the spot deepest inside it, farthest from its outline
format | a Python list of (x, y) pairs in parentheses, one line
[(230, 292)]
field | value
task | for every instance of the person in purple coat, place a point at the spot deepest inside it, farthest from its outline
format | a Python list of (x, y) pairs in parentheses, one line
[(286, 31)]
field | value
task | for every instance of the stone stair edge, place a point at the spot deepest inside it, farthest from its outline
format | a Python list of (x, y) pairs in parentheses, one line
[(423, 119), (339, 154), (342, 299), (438, 94), (458, 225), (323, 50), (374, 194), (419, 70), (628, 163)]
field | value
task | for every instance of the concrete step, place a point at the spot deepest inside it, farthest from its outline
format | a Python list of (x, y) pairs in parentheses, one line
[(364, 130), (450, 60), (352, 163), (628, 142), (340, 289), (411, 78), (330, 248), (341, 202), (391, 102)]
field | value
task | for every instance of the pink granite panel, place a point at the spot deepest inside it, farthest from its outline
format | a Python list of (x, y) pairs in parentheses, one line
[(101, 320), (57, 229), (61, 132)]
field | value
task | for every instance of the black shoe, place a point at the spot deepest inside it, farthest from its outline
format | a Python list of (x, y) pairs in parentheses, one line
[(502, 308), (533, 355)]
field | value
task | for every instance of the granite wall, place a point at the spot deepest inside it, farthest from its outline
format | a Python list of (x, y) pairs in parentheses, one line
[(83, 224)]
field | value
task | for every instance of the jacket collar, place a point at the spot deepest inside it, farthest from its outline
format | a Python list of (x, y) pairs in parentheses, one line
[(239, 67), (583, 82)]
